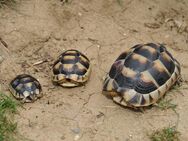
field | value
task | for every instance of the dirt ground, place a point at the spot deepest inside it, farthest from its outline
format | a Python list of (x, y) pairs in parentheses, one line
[(36, 30)]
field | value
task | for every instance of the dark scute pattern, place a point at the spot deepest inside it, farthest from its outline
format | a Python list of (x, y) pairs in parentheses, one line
[(15, 83), (30, 98), (85, 64), (115, 69), (21, 91), (178, 63), (33, 87), (37, 84), (146, 53), (159, 47), (68, 80), (160, 77), (73, 70), (84, 56), (169, 64), (137, 46), (24, 80), (143, 101), (169, 54), (56, 71), (155, 46), (123, 81), (137, 83), (77, 53), (162, 48), (29, 89), (70, 52), (105, 84), (136, 65), (122, 56), (75, 60), (69, 61), (143, 87), (135, 99), (65, 71), (76, 70)]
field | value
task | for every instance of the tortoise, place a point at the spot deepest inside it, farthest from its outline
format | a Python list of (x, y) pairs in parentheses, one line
[(25, 88), (71, 69), (141, 75)]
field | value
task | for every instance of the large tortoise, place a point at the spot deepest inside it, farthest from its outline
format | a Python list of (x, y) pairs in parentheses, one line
[(142, 75)]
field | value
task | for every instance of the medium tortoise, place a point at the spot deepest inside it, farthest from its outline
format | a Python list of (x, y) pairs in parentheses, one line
[(25, 88), (141, 75), (71, 69)]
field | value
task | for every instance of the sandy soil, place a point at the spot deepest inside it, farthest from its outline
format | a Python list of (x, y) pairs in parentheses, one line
[(38, 30)]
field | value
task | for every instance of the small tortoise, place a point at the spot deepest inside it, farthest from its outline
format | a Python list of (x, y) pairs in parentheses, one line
[(71, 69), (25, 88), (141, 75)]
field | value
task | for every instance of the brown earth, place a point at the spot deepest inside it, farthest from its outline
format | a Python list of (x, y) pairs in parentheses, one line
[(36, 30)]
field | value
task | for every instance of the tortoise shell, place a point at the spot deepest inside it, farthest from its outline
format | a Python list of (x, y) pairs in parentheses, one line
[(25, 88), (71, 69), (141, 75)]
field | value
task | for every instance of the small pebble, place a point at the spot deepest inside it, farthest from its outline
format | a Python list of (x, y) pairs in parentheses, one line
[(57, 36), (80, 14), (76, 130), (63, 138), (76, 137)]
